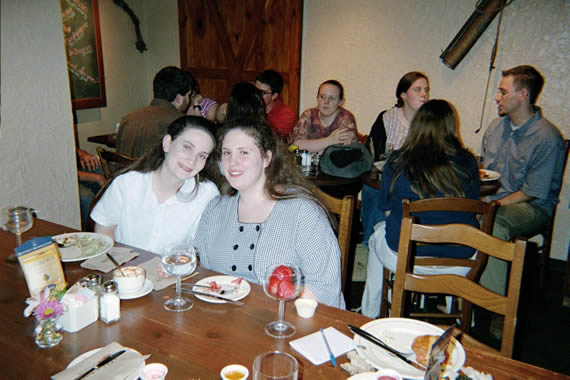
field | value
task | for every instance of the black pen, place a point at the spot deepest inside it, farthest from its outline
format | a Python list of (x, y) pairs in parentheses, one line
[(103, 362)]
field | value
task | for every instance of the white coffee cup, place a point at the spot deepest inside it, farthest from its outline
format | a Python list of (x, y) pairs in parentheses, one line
[(306, 307), (233, 371), (132, 281)]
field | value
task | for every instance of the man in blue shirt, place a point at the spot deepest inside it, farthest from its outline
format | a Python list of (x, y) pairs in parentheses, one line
[(527, 150)]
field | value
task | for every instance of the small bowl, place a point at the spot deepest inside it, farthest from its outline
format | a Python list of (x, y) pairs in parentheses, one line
[(306, 307), (387, 374), (154, 371), (234, 372), (132, 281)]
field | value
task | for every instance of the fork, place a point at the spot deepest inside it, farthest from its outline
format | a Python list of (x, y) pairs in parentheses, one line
[(220, 291)]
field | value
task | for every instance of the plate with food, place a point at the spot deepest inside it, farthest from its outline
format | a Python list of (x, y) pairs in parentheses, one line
[(409, 336), (231, 287), (487, 175), (79, 246)]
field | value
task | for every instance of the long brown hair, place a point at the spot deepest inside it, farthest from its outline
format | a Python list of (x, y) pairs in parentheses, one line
[(153, 159), (284, 180), (426, 155)]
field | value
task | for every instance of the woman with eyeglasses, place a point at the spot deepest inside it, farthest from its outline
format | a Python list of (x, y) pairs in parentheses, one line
[(325, 125)]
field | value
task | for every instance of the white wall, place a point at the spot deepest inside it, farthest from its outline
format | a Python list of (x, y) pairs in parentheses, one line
[(129, 73), (37, 156), (369, 44)]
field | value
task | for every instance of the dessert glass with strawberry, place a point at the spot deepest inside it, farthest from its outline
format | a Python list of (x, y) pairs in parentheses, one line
[(283, 283)]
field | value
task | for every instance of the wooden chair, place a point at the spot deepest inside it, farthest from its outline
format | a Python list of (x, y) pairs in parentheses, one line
[(343, 209), (477, 265), (107, 157), (463, 287)]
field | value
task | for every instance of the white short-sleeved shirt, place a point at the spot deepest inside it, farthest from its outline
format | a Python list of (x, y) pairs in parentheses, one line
[(130, 204)]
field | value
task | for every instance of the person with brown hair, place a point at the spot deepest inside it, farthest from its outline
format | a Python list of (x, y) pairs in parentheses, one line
[(157, 201), (325, 125), (267, 214), (432, 163), (528, 152)]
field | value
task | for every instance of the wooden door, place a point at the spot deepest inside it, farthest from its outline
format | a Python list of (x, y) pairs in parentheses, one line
[(223, 42)]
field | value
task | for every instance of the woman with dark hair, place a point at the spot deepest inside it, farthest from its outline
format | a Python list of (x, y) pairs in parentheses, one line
[(267, 214), (432, 163), (325, 125), (199, 105), (387, 134), (158, 200), (246, 100)]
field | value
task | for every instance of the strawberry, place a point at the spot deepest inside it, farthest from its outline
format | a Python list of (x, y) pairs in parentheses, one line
[(286, 289), (214, 286), (273, 285), (283, 272)]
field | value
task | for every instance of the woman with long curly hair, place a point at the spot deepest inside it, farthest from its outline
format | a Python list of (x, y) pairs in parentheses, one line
[(267, 214), (432, 163)]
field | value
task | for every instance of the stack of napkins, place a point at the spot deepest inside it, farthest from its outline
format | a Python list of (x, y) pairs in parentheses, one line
[(104, 264), (313, 346), (125, 366), (157, 276)]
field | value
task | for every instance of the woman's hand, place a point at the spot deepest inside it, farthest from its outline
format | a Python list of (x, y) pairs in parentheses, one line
[(343, 136)]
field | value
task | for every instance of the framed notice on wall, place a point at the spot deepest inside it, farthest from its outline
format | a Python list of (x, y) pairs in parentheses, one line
[(82, 36)]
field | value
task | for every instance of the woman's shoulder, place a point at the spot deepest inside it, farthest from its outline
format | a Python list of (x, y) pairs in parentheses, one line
[(346, 114), (209, 187), (132, 178)]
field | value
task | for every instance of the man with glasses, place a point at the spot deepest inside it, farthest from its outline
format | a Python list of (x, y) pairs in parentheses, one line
[(527, 150), (280, 116)]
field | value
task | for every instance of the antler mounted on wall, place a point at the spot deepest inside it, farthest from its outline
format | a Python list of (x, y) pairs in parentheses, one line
[(140, 44)]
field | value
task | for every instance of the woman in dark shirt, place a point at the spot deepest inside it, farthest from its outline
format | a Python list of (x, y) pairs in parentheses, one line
[(432, 163)]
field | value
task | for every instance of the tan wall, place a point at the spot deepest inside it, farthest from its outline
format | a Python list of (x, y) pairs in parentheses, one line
[(37, 156), (369, 44)]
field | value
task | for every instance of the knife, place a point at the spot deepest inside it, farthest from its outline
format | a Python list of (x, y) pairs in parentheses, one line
[(366, 335), (103, 362), (213, 296)]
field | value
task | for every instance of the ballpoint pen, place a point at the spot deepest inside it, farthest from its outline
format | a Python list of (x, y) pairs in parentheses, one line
[(333, 360)]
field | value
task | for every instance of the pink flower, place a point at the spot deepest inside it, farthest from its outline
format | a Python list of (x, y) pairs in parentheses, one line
[(48, 309), (47, 306)]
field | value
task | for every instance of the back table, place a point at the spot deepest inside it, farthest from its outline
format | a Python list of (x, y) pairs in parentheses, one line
[(195, 344)]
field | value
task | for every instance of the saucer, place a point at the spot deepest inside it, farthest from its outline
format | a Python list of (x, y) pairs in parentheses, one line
[(147, 288)]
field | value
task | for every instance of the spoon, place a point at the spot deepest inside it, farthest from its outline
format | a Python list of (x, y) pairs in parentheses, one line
[(220, 291), (116, 263)]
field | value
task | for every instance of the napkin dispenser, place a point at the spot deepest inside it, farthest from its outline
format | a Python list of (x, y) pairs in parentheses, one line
[(82, 308)]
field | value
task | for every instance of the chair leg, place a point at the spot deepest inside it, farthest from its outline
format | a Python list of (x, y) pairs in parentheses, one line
[(386, 285)]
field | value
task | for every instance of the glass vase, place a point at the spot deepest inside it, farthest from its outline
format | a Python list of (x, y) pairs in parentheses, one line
[(48, 332)]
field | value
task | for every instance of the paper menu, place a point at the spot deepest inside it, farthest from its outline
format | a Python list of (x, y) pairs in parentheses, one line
[(313, 347)]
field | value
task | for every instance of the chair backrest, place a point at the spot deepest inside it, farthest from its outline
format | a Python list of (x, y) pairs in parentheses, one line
[(487, 212), (343, 209), (405, 281), (107, 157)]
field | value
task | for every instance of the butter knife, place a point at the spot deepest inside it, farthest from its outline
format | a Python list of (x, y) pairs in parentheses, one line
[(103, 362), (371, 338), (213, 296)]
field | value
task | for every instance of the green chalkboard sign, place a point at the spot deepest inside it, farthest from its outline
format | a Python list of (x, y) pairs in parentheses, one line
[(84, 57)]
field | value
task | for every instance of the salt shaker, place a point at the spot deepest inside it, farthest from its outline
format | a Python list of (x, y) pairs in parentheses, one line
[(110, 303)]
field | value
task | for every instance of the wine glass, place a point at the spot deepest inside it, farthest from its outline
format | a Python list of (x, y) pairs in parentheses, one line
[(17, 220), (283, 283), (180, 261)]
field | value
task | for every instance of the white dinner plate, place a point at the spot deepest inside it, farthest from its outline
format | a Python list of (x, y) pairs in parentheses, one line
[(364, 376), (400, 333), (226, 283), (487, 175), (91, 245), (147, 288), (85, 355)]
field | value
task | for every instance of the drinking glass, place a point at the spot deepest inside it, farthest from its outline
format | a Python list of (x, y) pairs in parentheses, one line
[(282, 282), (17, 220), (275, 365), (180, 261)]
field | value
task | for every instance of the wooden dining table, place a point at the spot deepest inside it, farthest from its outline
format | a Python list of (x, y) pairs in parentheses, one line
[(195, 344)]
